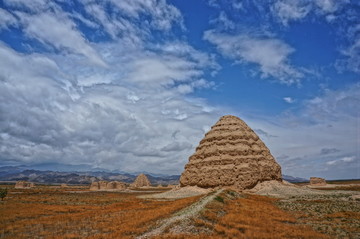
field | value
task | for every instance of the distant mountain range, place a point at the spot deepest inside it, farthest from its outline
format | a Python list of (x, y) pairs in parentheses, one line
[(292, 179), (11, 173), (16, 173)]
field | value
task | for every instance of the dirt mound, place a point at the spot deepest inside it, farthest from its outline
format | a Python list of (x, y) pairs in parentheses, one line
[(115, 185), (141, 181), (230, 154), (281, 189), (182, 192), (104, 185), (24, 184), (315, 181)]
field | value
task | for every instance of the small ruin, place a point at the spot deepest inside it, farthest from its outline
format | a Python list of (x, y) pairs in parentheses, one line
[(116, 185), (141, 181), (104, 185), (315, 181), (24, 184)]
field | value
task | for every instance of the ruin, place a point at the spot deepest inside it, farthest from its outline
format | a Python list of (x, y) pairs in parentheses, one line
[(315, 181), (104, 185), (230, 154), (24, 184), (141, 181)]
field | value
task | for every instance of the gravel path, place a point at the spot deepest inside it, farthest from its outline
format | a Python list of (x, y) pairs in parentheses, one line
[(183, 214)]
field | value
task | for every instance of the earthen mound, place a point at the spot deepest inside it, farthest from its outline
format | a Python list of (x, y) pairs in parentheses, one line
[(282, 189), (63, 185), (24, 184), (104, 185), (116, 185), (230, 154), (94, 186), (315, 181), (140, 181)]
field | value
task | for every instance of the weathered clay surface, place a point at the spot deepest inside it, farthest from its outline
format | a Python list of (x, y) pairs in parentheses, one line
[(317, 181), (24, 184), (230, 154), (104, 185), (94, 186), (116, 185), (141, 181)]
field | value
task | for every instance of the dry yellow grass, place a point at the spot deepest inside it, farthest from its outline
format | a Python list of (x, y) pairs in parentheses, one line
[(249, 217), (59, 214)]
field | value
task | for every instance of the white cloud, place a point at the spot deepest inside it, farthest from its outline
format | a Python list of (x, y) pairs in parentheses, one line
[(329, 6), (342, 160), (332, 162), (124, 116), (335, 104), (302, 143), (34, 5), (352, 52), (335, 12), (113, 25), (6, 19), (84, 20), (287, 11), (165, 70), (198, 84), (237, 5), (124, 21), (52, 33), (176, 146), (289, 100), (183, 49), (163, 14), (270, 54), (348, 159), (224, 21), (319, 138)]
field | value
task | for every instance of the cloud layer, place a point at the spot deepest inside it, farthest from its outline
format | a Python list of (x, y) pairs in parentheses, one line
[(124, 107), (116, 84)]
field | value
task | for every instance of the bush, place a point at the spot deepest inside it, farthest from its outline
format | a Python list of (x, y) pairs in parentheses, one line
[(3, 193), (231, 193), (220, 199)]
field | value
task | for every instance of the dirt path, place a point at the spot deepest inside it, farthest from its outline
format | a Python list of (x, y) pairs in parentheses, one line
[(183, 214)]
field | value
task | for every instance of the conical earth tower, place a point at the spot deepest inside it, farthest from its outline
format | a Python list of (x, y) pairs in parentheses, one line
[(230, 154), (141, 181)]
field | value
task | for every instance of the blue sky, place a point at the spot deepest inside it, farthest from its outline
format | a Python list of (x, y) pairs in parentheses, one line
[(133, 85)]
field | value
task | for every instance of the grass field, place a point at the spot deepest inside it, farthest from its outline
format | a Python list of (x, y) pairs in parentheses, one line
[(75, 212), (243, 216), (58, 213)]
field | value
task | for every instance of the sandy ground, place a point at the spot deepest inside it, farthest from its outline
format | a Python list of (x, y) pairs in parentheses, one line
[(334, 186), (177, 193), (285, 190)]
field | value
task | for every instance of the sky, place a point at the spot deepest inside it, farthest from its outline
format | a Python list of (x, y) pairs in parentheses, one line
[(133, 85)]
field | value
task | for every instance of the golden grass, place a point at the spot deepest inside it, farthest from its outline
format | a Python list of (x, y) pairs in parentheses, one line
[(44, 213), (249, 217), (344, 188)]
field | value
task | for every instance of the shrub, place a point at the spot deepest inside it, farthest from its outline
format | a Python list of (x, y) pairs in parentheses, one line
[(219, 199), (232, 193), (3, 193)]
